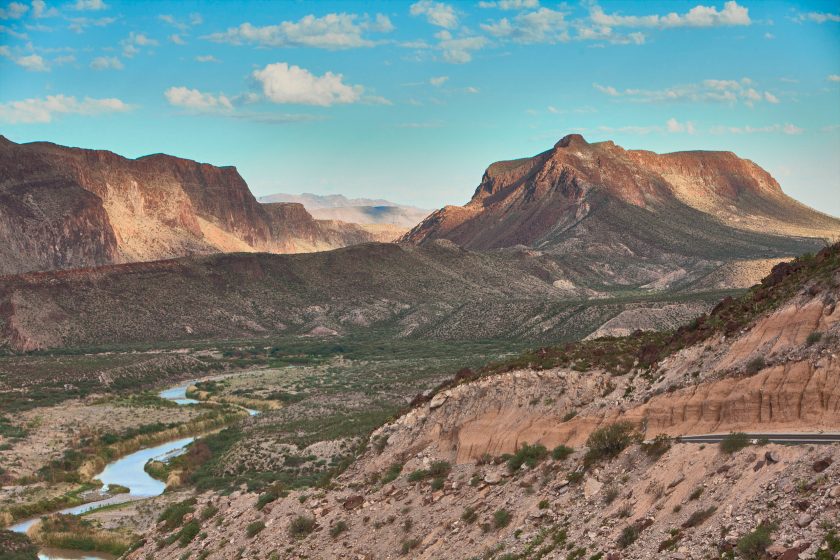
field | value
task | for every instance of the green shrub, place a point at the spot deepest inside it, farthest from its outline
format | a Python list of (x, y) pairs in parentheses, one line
[(695, 495), (418, 475), (253, 528), (753, 545), (208, 512), (734, 442), (609, 441), (628, 536), (188, 533), (409, 545), (501, 518), (174, 514), (439, 468), (528, 455), (561, 452), (610, 494), (569, 415), (813, 338), (544, 504), (392, 473), (301, 526), (437, 483), (338, 527), (755, 365), (698, 517), (469, 515)]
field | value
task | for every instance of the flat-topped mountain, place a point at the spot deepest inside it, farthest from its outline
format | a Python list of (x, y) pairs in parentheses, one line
[(613, 212), (363, 211), (68, 207)]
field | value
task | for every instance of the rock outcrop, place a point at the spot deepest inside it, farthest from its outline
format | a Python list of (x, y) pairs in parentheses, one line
[(71, 208), (600, 208)]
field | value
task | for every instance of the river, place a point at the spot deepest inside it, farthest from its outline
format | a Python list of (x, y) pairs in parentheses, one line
[(126, 471)]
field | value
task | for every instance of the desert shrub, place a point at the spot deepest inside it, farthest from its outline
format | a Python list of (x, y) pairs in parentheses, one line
[(174, 514), (439, 468), (392, 473), (528, 455), (16, 546), (208, 512), (657, 447), (753, 545), (301, 526), (188, 533), (569, 415), (543, 504), (338, 527), (628, 536), (574, 477), (609, 441), (610, 494), (469, 515), (734, 442), (561, 452), (695, 495), (698, 517), (813, 338), (437, 483), (831, 546), (408, 545), (418, 475), (755, 365), (501, 518), (253, 528)]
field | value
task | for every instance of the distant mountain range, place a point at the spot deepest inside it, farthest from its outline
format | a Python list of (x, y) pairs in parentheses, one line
[(632, 218), (66, 207), (354, 210)]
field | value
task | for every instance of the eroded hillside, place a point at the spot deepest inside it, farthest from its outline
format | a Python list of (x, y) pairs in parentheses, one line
[(540, 456)]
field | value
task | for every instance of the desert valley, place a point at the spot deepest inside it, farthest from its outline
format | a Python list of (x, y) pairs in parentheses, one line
[(606, 353)]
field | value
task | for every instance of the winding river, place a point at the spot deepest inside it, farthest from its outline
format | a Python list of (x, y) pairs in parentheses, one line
[(126, 471)]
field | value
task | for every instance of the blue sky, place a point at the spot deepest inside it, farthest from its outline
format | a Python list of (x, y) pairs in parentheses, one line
[(411, 101)]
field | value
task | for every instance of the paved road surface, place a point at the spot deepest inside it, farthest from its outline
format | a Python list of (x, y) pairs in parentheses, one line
[(804, 438)]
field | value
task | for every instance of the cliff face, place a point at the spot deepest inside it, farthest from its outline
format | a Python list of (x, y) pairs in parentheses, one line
[(67, 207), (556, 199)]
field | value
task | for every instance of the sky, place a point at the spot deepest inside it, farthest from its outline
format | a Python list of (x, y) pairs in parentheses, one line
[(411, 101)]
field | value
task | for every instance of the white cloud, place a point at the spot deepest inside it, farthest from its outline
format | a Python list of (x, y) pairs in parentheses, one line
[(437, 13), (333, 31), (541, 26), (458, 50), (698, 16), (552, 109), (40, 10), (106, 63), (834, 78), (13, 33), (206, 58), (438, 80), (722, 91), (510, 4), (471, 89), (195, 100), (282, 83), (773, 128), (13, 10), (90, 5), (818, 17), (673, 125), (33, 62), (44, 110), (79, 24), (175, 38), (131, 44)]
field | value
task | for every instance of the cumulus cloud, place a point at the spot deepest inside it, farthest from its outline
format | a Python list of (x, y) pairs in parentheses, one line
[(196, 100), (818, 17), (458, 50), (510, 4), (206, 58), (33, 62), (90, 5), (134, 42), (673, 125), (333, 31), (41, 10), (541, 26), (437, 13), (106, 63), (13, 10), (773, 128), (282, 83), (698, 16), (722, 91), (438, 80), (834, 78), (177, 39), (45, 109)]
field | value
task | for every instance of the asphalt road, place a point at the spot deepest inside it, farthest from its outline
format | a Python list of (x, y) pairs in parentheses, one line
[(805, 438)]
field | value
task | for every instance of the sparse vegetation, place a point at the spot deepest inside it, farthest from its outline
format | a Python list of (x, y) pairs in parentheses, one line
[(628, 536), (337, 528), (755, 365), (753, 545), (301, 526), (255, 527), (528, 455), (607, 442), (561, 452), (657, 447), (734, 442), (698, 517)]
